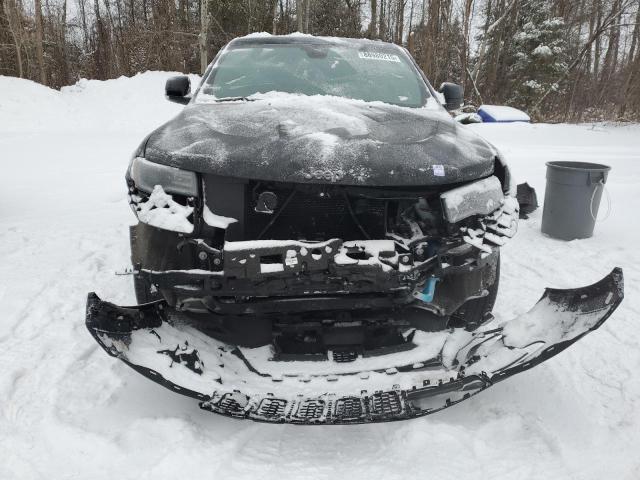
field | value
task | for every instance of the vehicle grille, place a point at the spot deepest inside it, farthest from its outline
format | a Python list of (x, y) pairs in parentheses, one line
[(344, 356), (230, 405), (349, 408), (272, 407), (385, 403), (316, 215), (310, 410)]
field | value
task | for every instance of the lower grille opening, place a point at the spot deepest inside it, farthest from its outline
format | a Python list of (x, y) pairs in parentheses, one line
[(349, 408), (317, 215), (386, 403), (344, 356), (310, 410), (319, 212), (341, 342), (272, 407)]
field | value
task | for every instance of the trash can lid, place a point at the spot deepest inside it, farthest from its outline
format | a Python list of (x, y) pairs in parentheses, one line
[(564, 165)]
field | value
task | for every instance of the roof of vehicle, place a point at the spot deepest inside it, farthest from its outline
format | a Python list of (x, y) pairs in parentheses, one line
[(264, 38)]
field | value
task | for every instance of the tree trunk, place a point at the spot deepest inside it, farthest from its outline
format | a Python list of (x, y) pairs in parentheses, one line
[(400, 21), (632, 67), (39, 41), (307, 7), (373, 30), (132, 12), (381, 30), (300, 15), (275, 17), (83, 18), (596, 58), (464, 51), (11, 13), (204, 30), (115, 67), (62, 47)]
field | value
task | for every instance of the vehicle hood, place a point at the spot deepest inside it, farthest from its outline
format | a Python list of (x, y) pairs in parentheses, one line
[(320, 139)]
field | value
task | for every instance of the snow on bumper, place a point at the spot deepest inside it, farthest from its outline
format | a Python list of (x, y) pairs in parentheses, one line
[(443, 369), (497, 213), (495, 228)]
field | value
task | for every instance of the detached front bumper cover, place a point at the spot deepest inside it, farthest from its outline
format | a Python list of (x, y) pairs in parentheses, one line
[(443, 369)]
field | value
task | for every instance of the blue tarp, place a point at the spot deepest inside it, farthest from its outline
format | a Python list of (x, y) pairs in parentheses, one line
[(501, 114)]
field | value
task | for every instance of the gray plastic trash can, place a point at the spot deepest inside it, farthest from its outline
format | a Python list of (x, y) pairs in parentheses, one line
[(572, 198)]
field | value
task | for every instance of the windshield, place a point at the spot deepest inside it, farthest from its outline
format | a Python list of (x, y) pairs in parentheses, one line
[(370, 73)]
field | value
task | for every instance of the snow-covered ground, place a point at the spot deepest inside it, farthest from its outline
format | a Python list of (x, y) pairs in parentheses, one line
[(69, 411)]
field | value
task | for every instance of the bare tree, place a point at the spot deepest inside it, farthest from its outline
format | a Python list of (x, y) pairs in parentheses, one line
[(39, 41), (204, 31), (373, 30), (468, 41), (300, 15), (13, 21)]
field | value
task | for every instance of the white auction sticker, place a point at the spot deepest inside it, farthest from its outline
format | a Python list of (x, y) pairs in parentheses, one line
[(386, 57), (438, 170)]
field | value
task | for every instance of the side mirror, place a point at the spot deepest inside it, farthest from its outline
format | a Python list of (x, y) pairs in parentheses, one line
[(177, 89), (453, 95)]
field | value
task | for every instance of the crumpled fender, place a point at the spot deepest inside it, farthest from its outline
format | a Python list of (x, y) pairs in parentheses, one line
[(443, 369)]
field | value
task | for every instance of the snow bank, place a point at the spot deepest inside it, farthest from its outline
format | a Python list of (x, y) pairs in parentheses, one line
[(68, 410), (120, 104)]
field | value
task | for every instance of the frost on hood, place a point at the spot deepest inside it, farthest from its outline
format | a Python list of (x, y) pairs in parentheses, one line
[(287, 137), (162, 211)]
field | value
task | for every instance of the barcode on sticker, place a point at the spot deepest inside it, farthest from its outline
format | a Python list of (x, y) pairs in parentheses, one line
[(387, 57), (438, 170)]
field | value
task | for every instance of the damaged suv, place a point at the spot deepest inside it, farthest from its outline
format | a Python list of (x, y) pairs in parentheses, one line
[(318, 242)]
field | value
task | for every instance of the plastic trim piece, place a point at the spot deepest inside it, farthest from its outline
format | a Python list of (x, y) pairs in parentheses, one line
[(153, 341)]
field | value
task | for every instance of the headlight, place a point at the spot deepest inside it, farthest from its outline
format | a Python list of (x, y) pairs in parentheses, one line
[(146, 175), (478, 198)]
